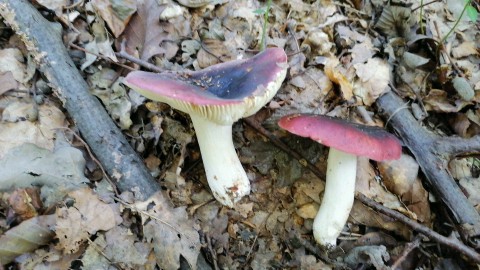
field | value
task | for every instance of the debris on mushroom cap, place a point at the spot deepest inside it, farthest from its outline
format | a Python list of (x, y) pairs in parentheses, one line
[(223, 93), (372, 142)]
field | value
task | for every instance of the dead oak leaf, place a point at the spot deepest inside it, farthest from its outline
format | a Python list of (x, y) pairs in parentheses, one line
[(170, 232), (87, 216), (373, 80), (147, 36), (115, 13)]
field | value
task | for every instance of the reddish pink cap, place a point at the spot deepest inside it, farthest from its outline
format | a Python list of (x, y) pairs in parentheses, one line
[(222, 93), (367, 141)]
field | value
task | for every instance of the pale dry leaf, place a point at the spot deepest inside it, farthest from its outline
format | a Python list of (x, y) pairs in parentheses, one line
[(41, 132), (145, 34), (362, 52), (55, 5), (171, 232), (124, 247), (11, 59), (437, 100), (57, 173), (367, 184), (374, 77), (26, 237), (107, 87), (115, 13), (401, 178), (7, 82), (471, 186), (375, 256), (465, 49), (87, 216)]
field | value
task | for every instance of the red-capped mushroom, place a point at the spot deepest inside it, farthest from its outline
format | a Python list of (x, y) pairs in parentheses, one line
[(215, 98), (346, 141)]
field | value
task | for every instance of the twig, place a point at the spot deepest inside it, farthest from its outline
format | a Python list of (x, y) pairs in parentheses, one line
[(406, 251), (97, 249), (99, 56), (134, 208), (213, 253), (92, 156), (105, 139), (123, 54), (365, 200), (451, 243)]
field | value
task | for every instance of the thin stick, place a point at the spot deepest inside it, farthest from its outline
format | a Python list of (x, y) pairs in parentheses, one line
[(99, 56)]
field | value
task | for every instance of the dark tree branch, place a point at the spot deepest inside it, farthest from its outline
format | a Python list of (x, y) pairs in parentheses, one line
[(433, 161), (456, 146), (43, 40)]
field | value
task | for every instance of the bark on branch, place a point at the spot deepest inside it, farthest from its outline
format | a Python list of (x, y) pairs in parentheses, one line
[(43, 40), (433, 160)]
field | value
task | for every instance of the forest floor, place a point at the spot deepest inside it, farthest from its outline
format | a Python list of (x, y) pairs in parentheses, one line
[(69, 200)]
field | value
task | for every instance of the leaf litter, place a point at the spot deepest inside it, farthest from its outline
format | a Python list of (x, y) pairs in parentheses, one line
[(337, 63)]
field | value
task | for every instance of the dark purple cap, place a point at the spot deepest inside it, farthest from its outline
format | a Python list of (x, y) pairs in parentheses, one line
[(222, 93)]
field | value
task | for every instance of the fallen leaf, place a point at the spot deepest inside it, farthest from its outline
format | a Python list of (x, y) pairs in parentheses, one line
[(337, 74), (374, 77), (40, 132), (87, 216), (116, 14), (57, 173), (401, 178), (7, 82), (26, 237), (171, 233)]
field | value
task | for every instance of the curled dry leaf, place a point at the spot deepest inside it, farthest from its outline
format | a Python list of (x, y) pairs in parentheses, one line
[(40, 132), (115, 13), (171, 233), (401, 177), (56, 173), (26, 237), (87, 216), (374, 77)]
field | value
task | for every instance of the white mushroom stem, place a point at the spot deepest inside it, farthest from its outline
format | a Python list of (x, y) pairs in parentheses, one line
[(226, 177), (337, 198)]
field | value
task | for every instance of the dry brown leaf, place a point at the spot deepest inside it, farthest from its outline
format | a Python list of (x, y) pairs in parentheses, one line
[(438, 100), (338, 75), (26, 237), (115, 14), (7, 82), (171, 233), (401, 177), (87, 216), (11, 59), (24, 203), (374, 77), (217, 51), (40, 133), (147, 36)]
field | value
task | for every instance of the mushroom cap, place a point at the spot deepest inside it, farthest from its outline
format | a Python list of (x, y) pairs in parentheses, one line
[(360, 140), (222, 93)]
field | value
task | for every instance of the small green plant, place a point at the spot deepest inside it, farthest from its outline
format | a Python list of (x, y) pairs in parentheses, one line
[(265, 11)]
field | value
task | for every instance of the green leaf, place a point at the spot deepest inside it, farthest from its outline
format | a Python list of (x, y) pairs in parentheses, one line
[(260, 11), (472, 13)]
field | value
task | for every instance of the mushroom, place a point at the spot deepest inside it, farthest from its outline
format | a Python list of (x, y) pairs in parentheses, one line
[(215, 98), (346, 141)]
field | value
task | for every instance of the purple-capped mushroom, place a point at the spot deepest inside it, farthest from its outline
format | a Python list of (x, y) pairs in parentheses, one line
[(347, 141), (215, 98)]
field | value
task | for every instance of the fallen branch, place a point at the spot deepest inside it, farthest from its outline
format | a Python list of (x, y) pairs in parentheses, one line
[(433, 154), (43, 40)]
